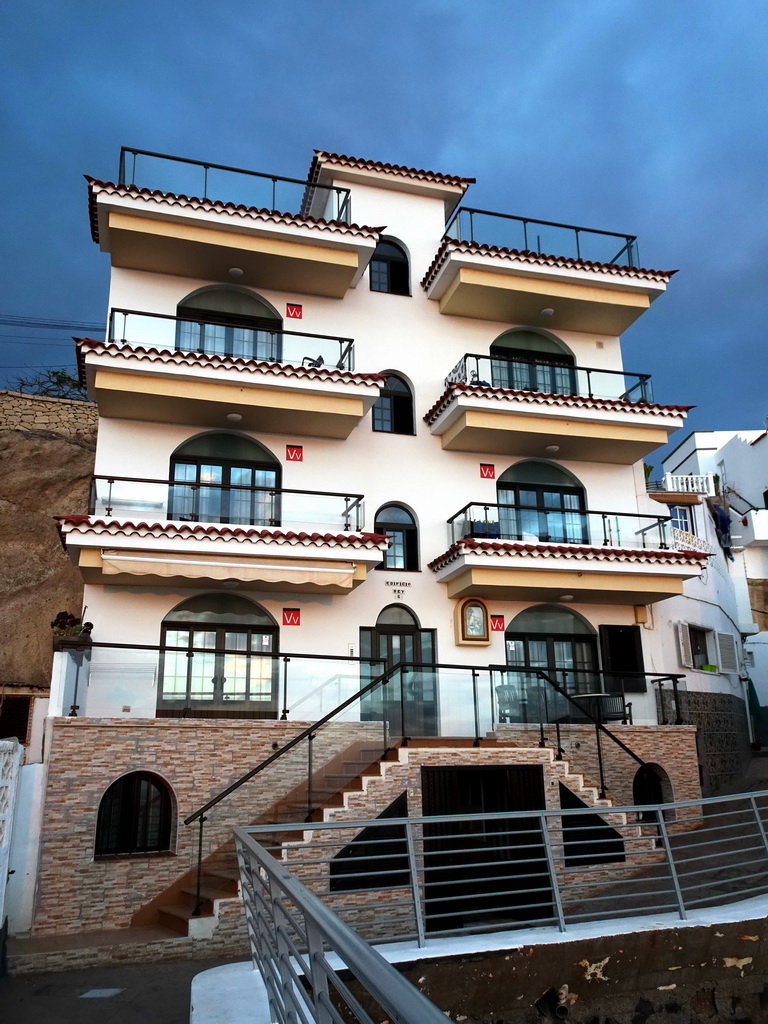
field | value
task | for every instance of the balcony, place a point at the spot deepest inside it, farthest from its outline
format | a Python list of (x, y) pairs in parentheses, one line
[(195, 219), (676, 487), (169, 369), (510, 269), (143, 532), (509, 406), (526, 553)]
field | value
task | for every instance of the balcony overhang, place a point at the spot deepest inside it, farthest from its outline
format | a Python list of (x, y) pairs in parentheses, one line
[(166, 386), (127, 553), (504, 285), (496, 421), (544, 572), (199, 238)]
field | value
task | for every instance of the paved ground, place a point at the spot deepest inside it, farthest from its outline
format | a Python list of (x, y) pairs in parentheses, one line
[(126, 994)]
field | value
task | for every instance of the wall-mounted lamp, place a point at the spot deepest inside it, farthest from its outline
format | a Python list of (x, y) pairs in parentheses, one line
[(547, 312), (234, 417), (235, 272), (552, 449)]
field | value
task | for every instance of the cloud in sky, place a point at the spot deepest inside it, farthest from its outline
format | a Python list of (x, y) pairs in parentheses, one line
[(630, 115)]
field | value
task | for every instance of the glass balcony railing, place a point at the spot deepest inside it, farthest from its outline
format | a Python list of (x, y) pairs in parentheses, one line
[(214, 335), (538, 524), (551, 378), (159, 171), (542, 236), (210, 502)]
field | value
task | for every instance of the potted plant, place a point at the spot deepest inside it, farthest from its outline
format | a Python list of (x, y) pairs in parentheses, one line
[(70, 631)]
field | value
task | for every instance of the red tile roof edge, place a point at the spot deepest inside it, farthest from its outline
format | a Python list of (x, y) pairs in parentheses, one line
[(322, 156), (151, 353), (171, 198), (544, 398), (242, 533), (501, 252), (585, 551)]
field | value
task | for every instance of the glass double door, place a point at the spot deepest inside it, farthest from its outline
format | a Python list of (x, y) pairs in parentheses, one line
[(409, 699), (521, 371), (570, 661), (219, 668), (543, 514), (240, 337), (224, 492)]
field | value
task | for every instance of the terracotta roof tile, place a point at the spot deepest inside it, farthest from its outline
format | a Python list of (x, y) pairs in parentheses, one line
[(579, 552), (96, 187), (397, 170), (452, 245), (542, 398), (241, 534), (148, 353)]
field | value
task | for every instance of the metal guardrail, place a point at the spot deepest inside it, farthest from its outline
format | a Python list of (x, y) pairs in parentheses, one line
[(517, 374), (542, 236), (216, 334), (207, 180), (395, 879), (291, 933)]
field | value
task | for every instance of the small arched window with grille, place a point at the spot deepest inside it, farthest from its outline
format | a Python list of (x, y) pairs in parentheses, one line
[(135, 816)]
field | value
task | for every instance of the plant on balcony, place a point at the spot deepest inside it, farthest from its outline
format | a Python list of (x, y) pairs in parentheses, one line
[(70, 631)]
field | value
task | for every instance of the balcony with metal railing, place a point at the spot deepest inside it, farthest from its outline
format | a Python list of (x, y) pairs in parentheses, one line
[(520, 270), (526, 552), (192, 530), (169, 214), (208, 368), (505, 404)]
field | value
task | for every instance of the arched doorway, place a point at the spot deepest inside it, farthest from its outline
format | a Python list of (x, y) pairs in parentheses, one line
[(651, 786), (560, 643), (539, 501), (225, 666), (220, 477), (526, 360), (397, 638), (229, 321)]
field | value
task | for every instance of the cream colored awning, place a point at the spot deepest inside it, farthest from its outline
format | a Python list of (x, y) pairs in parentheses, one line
[(247, 570)]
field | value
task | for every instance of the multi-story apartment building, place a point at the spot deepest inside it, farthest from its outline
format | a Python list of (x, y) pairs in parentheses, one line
[(352, 434)]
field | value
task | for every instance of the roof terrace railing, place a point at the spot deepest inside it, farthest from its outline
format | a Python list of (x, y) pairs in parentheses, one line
[(536, 524), (525, 234), (216, 334), (207, 500), (206, 180), (549, 377)]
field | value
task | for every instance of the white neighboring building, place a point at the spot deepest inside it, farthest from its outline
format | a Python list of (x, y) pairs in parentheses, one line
[(735, 465)]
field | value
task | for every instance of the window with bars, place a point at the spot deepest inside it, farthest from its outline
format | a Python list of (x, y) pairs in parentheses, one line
[(134, 816)]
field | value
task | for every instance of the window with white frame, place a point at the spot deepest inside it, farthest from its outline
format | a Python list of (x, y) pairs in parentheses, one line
[(682, 518), (699, 648)]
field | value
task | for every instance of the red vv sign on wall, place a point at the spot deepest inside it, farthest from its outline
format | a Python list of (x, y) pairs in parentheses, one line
[(487, 472), (291, 616), (293, 311), (294, 453)]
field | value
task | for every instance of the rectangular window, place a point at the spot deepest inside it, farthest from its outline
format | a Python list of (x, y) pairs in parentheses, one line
[(682, 518), (699, 648)]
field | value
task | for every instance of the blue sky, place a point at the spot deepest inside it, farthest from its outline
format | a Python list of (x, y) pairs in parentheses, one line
[(640, 116)]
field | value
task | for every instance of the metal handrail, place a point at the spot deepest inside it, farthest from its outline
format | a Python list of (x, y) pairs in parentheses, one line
[(342, 194), (629, 240), (274, 900)]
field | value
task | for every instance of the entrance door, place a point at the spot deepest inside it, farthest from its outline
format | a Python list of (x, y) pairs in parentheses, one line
[(398, 639), (484, 871), (622, 651)]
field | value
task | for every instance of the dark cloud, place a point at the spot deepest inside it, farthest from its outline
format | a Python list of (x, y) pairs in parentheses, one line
[(631, 115)]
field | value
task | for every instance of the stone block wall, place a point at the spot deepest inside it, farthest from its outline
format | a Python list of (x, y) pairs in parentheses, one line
[(36, 412), (80, 893)]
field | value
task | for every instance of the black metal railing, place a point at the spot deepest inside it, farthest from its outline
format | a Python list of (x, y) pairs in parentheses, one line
[(539, 524), (206, 180), (214, 334), (542, 236), (553, 378), (205, 501)]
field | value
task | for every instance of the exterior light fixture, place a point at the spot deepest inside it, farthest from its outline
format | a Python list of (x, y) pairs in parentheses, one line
[(547, 312), (566, 597), (234, 417), (552, 449), (235, 272)]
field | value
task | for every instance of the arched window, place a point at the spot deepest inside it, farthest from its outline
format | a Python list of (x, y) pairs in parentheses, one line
[(557, 640), (389, 269), (226, 664), (532, 361), (400, 527), (229, 321), (539, 501), (393, 409), (224, 478), (135, 816)]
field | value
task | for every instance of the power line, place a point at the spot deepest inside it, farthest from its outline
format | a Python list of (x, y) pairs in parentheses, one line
[(12, 320)]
